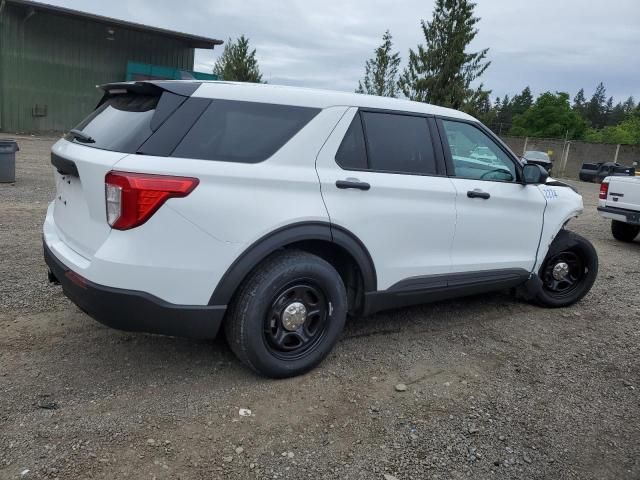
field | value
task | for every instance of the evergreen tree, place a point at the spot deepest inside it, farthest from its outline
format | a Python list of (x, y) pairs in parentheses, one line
[(628, 106), (521, 103), (238, 63), (617, 114), (505, 113), (441, 71), (608, 113), (381, 72), (580, 102), (479, 106), (595, 109)]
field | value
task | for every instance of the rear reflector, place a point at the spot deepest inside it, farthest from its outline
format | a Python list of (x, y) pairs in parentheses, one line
[(77, 279), (604, 190), (132, 198)]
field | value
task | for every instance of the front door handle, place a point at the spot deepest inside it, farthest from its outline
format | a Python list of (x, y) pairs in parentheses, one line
[(358, 185), (478, 194)]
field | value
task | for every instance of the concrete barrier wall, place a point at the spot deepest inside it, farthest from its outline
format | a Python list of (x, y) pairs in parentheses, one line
[(579, 152)]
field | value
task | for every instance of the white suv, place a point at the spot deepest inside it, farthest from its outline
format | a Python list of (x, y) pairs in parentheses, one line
[(275, 212)]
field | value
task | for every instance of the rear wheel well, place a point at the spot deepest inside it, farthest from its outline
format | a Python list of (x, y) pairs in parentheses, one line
[(345, 265)]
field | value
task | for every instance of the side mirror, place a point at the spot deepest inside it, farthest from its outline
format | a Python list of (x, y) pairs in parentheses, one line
[(534, 174)]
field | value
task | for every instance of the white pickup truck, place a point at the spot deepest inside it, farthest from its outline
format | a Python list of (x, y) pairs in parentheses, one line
[(620, 201)]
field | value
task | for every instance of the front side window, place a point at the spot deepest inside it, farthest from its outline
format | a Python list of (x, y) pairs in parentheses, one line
[(476, 156), (399, 143)]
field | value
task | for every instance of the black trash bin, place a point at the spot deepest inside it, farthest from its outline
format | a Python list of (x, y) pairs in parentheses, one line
[(8, 149)]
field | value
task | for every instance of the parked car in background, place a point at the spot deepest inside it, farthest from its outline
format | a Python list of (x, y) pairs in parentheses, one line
[(274, 212), (538, 158), (596, 172), (620, 201)]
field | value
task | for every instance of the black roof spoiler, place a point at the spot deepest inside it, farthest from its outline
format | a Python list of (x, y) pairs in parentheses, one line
[(153, 87)]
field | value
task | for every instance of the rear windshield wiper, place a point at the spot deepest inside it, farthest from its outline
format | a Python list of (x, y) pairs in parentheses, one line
[(81, 136)]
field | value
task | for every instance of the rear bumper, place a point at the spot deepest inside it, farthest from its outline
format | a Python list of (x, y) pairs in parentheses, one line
[(621, 214), (132, 310)]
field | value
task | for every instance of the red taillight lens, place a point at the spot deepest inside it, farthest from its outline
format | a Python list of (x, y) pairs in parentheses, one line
[(132, 198), (604, 190)]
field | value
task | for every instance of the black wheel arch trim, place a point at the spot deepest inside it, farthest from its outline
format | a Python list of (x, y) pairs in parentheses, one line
[(287, 235)]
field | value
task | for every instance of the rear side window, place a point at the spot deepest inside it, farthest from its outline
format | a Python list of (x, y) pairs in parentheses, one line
[(121, 123), (246, 132), (352, 154), (399, 143)]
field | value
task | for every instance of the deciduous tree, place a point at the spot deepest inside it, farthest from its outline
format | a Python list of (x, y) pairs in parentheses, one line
[(550, 116)]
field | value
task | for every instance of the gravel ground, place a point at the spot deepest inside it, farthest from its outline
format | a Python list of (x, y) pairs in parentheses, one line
[(495, 388)]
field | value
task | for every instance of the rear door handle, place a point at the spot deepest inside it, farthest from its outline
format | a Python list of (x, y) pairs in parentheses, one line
[(478, 194), (358, 185)]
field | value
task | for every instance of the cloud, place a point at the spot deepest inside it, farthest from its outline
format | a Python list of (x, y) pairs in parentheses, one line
[(547, 44)]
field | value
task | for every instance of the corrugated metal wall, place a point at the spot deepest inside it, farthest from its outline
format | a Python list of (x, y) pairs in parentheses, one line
[(50, 65)]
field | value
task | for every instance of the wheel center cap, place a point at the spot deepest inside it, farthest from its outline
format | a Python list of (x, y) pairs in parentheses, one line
[(560, 270), (294, 316)]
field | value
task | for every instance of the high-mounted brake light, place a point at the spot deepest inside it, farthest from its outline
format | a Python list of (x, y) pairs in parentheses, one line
[(604, 190), (132, 198)]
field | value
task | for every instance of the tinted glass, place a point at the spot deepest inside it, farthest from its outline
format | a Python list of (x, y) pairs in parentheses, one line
[(399, 143), (475, 155), (242, 131), (122, 123), (174, 128), (352, 153)]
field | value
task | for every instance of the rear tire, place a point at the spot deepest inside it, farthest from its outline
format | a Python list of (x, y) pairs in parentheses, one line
[(574, 255), (287, 315), (624, 231)]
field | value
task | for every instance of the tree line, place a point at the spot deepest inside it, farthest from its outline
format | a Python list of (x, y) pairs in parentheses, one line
[(554, 115), (442, 71)]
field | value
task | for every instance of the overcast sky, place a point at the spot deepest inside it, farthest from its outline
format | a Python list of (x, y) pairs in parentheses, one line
[(546, 44)]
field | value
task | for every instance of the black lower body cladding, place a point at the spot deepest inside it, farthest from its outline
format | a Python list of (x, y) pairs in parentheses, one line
[(132, 310)]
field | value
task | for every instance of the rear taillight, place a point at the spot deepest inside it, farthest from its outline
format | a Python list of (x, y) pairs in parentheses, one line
[(132, 198), (604, 190)]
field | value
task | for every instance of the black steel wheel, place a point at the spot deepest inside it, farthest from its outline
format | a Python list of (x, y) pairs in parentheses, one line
[(287, 315), (563, 273), (568, 272), (296, 320)]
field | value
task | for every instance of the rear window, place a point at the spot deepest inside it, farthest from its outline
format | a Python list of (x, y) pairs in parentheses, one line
[(122, 123), (247, 132)]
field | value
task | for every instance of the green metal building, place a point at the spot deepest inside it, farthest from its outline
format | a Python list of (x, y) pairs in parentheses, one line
[(52, 58)]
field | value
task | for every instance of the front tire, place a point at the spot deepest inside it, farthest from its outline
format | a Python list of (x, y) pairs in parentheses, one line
[(624, 232), (288, 314), (568, 272)]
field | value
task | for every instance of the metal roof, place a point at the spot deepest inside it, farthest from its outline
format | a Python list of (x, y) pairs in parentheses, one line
[(194, 41)]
